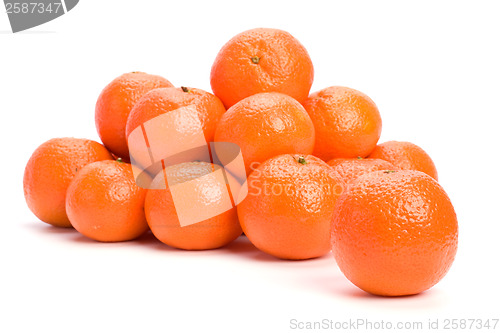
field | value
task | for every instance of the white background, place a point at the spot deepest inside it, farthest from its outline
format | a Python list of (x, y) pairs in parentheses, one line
[(432, 68)]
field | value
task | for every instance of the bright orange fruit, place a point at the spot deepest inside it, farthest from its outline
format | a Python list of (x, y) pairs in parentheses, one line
[(261, 60), (209, 109), (203, 193), (351, 168), (49, 172), (105, 204), (405, 156), (288, 210), (114, 104), (347, 123), (394, 233), (265, 125)]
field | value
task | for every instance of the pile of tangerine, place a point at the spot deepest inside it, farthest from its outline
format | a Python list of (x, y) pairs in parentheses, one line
[(318, 181)]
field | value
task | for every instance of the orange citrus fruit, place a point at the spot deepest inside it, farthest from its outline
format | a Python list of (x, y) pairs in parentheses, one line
[(261, 60), (351, 168), (49, 172), (265, 125), (394, 233), (288, 210), (347, 123), (209, 109), (114, 104), (192, 187), (105, 204), (405, 156)]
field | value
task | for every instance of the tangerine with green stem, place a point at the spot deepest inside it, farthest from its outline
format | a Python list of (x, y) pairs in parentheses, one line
[(289, 207), (261, 60)]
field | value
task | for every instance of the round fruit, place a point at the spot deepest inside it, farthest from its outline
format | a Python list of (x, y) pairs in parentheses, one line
[(159, 101), (405, 156), (347, 123), (105, 204), (288, 210), (265, 125), (351, 168), (114, 104), (394, 233), (49, 172), (192, 186), (261, 60)]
